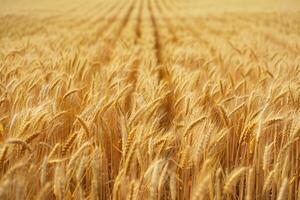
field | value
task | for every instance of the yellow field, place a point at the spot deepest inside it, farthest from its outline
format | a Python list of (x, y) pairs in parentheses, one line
[(150, 99)]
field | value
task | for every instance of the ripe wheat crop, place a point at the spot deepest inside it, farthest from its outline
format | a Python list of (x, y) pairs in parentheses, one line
[(150, 99)]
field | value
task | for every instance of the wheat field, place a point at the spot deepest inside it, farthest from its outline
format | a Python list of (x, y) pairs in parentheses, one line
[(150, 99)]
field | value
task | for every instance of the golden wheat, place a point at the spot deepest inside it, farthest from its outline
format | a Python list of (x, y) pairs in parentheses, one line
[(150, 99)]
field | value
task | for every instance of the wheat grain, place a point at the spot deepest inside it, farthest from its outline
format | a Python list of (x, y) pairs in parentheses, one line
[(232, 179), (20, 142), (68, 144), (268, 181)]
